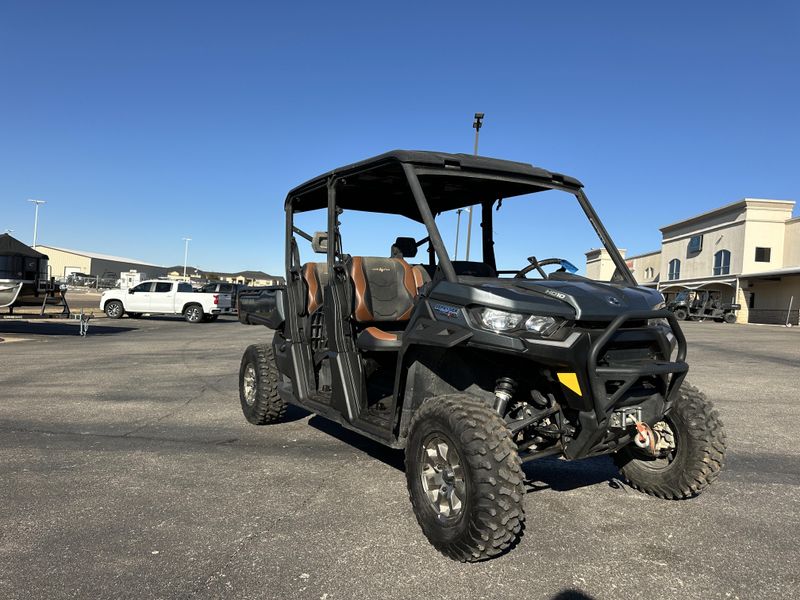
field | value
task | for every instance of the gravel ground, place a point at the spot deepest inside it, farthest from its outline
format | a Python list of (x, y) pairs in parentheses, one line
[(128, 471)]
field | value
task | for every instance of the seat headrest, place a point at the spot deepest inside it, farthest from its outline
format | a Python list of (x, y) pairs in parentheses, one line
[(404, 247)]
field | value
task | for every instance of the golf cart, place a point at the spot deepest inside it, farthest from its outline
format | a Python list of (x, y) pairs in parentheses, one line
[(473, 370), (703, 304)]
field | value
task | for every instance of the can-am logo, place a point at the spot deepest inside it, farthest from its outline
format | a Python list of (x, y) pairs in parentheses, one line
[(451, 312), (380, 269), (555, 294)]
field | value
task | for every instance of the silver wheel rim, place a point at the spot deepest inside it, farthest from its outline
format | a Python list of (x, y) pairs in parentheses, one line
[(442, 477), (194, 314), (249, 384), (113, 309)]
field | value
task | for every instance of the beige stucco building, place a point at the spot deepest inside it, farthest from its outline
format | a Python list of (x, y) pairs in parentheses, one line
[(749, 251), (63, 262)]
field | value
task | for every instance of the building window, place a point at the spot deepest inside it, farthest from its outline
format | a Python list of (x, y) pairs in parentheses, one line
[(763, 254), (695, 244), (674, 269), (722, 262), (648, 273)]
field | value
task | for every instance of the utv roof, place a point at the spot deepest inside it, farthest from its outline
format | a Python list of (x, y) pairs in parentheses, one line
[(449, 181)]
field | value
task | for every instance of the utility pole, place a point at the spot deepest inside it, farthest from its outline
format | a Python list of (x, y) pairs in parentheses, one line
[(36, 219), (476, 124), (185, 254), (458, 229)]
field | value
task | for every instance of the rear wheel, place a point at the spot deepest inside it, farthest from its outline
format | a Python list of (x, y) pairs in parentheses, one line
[(681, 314), (193, 313), (464, 478), (730, 318), (695, 458), (114, 309), (258, 386)]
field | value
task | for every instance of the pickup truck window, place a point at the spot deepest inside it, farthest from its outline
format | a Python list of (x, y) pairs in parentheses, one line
[(143, 287), (184, 287), (163, 286)]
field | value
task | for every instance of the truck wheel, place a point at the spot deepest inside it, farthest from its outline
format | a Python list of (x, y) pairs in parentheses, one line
[(681, 314), (730, 318), (696, 458), (114, 309), (258, 386), (464, 478), (193, 313)]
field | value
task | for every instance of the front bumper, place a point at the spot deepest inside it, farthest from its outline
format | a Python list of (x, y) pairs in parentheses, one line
[(611, 380)]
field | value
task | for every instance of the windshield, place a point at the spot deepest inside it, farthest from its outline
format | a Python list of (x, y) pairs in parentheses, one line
[(534, 236)]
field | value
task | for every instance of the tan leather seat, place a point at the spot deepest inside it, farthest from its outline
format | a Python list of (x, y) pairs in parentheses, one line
[(384, 292), (315, 275)]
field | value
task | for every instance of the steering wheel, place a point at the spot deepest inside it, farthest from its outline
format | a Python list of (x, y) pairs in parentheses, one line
[(538, 264)]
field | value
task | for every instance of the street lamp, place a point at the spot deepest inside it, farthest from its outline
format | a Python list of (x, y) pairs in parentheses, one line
[(476, 124), (458, 230), (36, 218), (185, 254)]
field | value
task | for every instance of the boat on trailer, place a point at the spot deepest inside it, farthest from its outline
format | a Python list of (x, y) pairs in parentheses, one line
[(24, 277)]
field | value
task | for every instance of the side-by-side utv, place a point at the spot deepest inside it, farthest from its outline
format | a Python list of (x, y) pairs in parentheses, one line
[(473, 367)]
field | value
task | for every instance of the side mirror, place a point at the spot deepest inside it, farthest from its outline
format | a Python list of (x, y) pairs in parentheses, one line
[(320, 242), (130, 290)]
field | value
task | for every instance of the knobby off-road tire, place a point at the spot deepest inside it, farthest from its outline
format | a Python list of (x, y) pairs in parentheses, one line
[(488, 516), (729, 318), (258, 386), (681, 314), (114, 309), (698, 456)]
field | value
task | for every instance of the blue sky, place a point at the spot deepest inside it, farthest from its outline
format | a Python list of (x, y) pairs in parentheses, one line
[(141, 123)]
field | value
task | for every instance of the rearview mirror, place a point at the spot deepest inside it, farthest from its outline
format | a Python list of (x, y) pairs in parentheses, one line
[(320, 242)]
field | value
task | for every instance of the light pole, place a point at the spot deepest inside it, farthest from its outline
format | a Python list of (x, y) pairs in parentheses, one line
[(185, 254), (477, 124), (36, 218), (458, 229)]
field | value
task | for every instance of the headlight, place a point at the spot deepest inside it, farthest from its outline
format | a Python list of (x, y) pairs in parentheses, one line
[(540, 325), (500, 320), (658, 322)]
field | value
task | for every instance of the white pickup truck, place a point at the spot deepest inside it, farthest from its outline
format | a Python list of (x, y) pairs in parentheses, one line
[(158, 296)]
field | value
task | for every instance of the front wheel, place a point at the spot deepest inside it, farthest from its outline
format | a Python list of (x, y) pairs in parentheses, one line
[(193, 313), (730, 318), (464, 478), (114, 309), (681, 314), (696, 455)]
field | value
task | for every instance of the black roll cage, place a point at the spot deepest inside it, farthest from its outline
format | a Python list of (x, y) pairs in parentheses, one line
[(412, 174)]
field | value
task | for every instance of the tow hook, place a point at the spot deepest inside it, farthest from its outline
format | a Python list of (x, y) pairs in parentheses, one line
[(645, 438)]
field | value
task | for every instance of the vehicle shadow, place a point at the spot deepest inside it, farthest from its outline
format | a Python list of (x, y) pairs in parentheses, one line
[(561, 475), (546, 473), (49, 328), (388, 456)]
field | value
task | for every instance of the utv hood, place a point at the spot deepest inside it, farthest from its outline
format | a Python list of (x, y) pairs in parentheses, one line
[(579, 299), (595, 300)]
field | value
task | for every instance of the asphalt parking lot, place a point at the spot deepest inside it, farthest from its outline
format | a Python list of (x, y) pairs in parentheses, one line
[(128, 471)]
